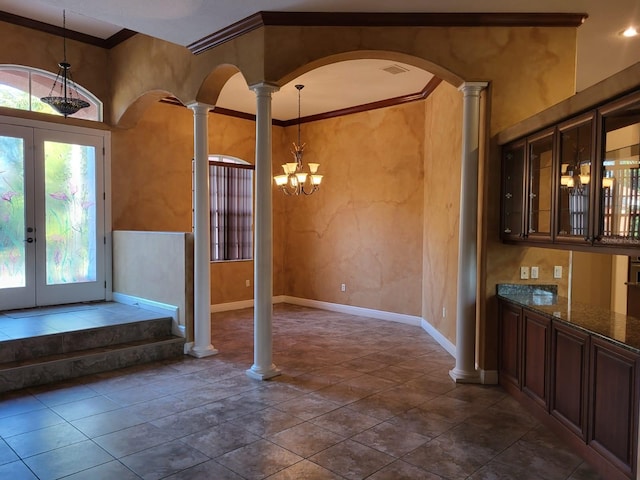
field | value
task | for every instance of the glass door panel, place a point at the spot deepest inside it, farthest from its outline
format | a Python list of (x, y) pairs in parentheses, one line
[(513, 162), (574, 180), (540, 180), (17, 250), (70, 213), (70, 210), (620, 175)]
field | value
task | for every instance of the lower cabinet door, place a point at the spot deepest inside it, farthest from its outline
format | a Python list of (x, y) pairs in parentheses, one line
[(569, 377), (613, 414), (536, 337), (510, 320)]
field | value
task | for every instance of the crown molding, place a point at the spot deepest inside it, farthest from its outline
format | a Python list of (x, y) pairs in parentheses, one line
[(390, 102), (108, 43), (379, 19)]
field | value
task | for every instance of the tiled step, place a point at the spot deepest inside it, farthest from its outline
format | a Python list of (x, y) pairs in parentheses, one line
[(53, 368), (26, 362), (85, 339)]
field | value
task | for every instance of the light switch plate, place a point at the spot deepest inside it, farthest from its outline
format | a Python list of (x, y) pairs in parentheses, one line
[(524, 273), (534, 272), (557, 271)]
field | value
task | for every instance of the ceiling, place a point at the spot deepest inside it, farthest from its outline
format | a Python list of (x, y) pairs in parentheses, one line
[(601, 50)]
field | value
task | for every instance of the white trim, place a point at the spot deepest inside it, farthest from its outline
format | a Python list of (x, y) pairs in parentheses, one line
[(225, 307), (358, 311), (108, 257), (151, 305), (438, 337), (488, 377)]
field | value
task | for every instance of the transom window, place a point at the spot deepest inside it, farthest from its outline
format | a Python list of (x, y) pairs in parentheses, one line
[(22, 87), (231, 193)]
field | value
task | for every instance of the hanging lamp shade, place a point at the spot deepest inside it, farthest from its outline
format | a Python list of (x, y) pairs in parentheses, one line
[(68, 101)]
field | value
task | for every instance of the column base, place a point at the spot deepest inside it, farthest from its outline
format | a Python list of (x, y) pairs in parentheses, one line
[(464, 376), (258, 374), (201, 352)]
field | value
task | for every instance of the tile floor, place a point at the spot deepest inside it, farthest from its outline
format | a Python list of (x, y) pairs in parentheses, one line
[(16, 324), (358, 398)]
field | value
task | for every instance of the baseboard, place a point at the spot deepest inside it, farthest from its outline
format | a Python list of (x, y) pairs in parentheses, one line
[(161, 308), (225, 307), (438, 337), (358, 311), (488, 377)]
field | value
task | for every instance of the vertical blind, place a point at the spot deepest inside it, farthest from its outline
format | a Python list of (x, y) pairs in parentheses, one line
[(231, 191)]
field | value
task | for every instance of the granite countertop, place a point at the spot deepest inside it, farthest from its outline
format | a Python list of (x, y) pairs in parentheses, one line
[(621, 329)]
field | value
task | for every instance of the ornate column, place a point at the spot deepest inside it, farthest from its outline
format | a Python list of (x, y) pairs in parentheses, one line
[(263, 367), (465, 369), (202, 346)]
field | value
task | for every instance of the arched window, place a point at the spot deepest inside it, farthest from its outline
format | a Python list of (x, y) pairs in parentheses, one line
[(231, 194), (22, 87)]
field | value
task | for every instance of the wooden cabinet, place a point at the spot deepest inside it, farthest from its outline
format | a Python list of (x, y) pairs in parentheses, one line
[(510, 321), (613, 399), (527, 194), (575, 379), (536, 335), (569, 377), (577, 183)]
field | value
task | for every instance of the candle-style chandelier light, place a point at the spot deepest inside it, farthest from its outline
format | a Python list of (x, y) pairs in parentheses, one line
[(295, 180), (69, 101)]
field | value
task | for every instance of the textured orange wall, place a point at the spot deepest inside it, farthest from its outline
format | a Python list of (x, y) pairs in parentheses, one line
[(151, 180), (364, 227), (442, 160)]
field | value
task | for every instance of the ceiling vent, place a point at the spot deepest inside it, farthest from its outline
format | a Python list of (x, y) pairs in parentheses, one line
[(395, 69)]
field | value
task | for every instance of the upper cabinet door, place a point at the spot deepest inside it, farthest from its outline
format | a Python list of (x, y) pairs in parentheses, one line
[(540, 181), (619, 174), (513, 188), (574, 171)]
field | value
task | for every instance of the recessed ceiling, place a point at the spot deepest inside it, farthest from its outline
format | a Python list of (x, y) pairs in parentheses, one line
[(350, 83)]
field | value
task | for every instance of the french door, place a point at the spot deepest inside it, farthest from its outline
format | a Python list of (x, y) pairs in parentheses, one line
[(52, 224)]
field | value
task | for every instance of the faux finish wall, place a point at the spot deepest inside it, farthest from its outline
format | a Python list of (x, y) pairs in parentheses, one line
[(364, 227), (151, 180), (442, 160)]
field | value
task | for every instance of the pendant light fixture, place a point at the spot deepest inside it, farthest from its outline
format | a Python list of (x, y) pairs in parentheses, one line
[(69, 101), (295, 180)]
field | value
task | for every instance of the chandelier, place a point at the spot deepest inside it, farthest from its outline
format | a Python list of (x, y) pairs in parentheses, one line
[(68, 102), (295, 181)]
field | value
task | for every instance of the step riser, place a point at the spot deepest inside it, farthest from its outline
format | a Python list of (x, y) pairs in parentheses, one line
[(80, 365), (69, 342)]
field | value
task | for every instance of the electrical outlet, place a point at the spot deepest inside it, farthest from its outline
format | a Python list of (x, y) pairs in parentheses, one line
[(247, 283), (444, 312), (343, 287), (524, 273), (557, 271), (534, 272)]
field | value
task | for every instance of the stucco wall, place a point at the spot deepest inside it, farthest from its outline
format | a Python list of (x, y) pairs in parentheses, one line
[(364, 228)]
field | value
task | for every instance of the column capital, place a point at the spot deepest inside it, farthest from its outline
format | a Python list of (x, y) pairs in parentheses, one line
[(200, 108), (470, 88), (264, 88)]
